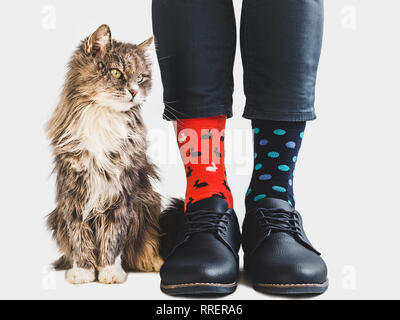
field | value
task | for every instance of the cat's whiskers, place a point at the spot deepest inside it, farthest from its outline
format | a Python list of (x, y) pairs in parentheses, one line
[(169, 107), (164, 58)]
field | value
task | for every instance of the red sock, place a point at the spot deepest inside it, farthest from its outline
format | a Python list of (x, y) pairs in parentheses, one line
[(201, 142)]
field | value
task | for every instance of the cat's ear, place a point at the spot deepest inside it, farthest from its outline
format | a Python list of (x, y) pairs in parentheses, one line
[(147, 46), (99, 42)]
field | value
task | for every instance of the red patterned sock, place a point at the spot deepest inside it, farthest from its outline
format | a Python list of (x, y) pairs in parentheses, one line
[(201, 142)]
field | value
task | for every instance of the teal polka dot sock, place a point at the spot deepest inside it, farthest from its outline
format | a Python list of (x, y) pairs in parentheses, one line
[(276, 148)]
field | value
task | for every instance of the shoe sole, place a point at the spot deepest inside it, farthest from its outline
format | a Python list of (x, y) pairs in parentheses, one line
[(199, 289), (292, 289)]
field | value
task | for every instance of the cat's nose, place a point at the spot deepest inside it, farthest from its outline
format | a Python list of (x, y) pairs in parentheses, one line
[(133, 92)]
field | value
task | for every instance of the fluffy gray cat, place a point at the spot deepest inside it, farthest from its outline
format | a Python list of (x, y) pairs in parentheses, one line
[(106, 219)]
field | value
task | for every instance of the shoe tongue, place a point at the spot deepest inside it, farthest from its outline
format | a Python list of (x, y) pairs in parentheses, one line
[(213, 204), (271, 203)]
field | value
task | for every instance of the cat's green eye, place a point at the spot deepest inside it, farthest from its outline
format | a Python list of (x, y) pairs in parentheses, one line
[(140, 79), (116, 73)]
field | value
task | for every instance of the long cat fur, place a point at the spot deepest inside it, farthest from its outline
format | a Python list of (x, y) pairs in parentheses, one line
[(106, 218)]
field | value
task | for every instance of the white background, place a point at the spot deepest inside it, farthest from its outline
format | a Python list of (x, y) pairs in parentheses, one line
[(347, 176)]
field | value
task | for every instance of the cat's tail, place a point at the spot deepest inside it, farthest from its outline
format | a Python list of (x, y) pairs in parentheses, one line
[(62, 264), (169, 222)]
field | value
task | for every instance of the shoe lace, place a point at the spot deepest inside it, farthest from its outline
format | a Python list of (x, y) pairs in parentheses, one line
[(279, 220), (205, 221)]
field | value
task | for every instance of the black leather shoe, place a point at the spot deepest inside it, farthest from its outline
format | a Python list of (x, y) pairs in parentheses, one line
[(278, 256), (205, 258)]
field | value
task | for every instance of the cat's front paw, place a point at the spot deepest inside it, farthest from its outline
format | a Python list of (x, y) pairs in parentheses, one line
[(80, 276), (157, 264), (112, 275)]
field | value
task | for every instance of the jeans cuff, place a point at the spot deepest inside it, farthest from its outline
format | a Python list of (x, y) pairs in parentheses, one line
[(263, 114), (197, 112)]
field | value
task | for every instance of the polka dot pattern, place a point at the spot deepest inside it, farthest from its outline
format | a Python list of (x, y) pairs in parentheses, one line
[(276, 145), (248, 192), (273, 155), (260, 197), (279, 189), (280, 132), (284, 168), (265, 177), (291, 145)]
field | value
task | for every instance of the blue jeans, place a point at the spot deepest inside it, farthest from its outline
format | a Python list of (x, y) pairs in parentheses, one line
[(281, 46)]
